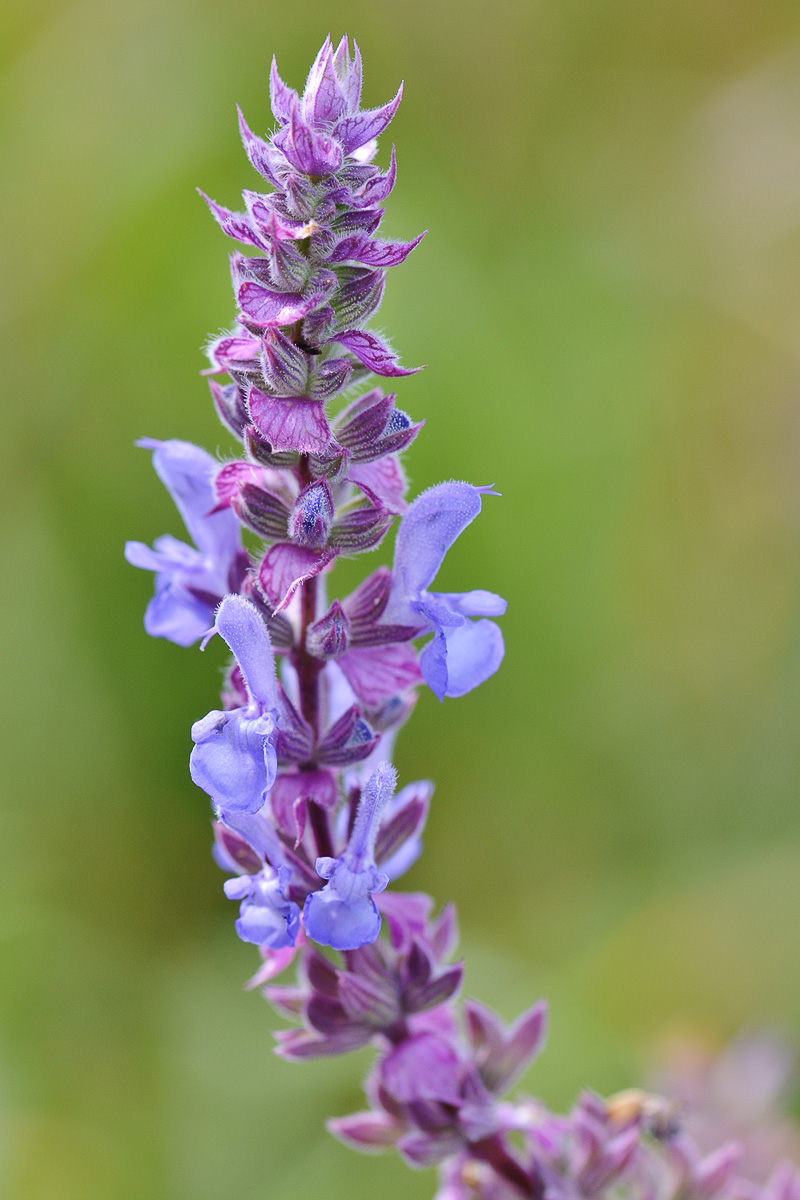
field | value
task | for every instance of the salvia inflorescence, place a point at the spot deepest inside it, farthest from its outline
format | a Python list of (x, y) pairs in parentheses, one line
[(309, 826)]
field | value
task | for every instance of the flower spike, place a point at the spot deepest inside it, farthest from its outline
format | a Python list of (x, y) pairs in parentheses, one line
[(296, 762)]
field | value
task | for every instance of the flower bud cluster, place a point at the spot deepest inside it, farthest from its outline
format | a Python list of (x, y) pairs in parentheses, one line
[(308, 825)]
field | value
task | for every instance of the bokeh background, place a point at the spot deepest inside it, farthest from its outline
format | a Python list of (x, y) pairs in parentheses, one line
[(609, 301)]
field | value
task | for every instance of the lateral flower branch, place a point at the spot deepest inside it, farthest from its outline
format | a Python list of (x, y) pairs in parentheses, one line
[(308, 824)]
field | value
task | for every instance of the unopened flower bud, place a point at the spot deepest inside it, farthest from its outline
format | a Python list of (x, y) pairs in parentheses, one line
[(372, 427), (312, 516), (329, 637), (284, 366), (348, 740)]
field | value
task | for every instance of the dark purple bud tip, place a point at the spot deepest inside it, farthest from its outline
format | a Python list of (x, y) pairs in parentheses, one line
[(348, 740), (372, 427), (312, 516), (397, 422)]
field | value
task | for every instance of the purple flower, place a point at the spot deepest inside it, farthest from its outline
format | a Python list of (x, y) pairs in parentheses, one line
[(266, 917), (189, 581), (234, 758), (343, 914), (463, 652), (247, 844)]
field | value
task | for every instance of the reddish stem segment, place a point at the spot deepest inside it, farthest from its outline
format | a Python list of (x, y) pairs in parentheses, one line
[(308, 668), (308, 671), (492, 1151), (318, 819)]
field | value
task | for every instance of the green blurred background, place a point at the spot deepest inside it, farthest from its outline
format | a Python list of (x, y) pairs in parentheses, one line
[(609, 301)]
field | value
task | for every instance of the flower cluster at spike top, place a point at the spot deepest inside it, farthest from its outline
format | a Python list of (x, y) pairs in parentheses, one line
[(309, 826)]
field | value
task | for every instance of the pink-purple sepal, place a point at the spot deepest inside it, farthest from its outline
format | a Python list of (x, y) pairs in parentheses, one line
[(384, 479), (372, 428), (357, 131), (263, 306), (349, 740), (358, 299), (361, 528), (308, 149), (289, 424), (291, 794), (503, 1053), (230, 405), (285, 567), (368, 252), (373, 352), (377, 672), (262, 156), (368, 1132)]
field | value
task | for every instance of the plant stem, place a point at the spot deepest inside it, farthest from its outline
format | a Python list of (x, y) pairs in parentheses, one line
[(308, 668), (308, 672)]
